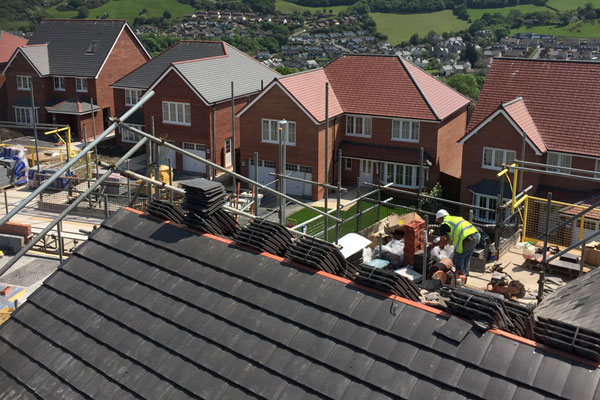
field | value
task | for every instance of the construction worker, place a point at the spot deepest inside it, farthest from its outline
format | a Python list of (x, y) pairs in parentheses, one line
[(462, 235)]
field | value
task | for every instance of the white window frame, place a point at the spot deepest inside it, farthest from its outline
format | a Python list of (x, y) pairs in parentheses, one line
[(61, 87), (496, 153), (487, 216), (194, 146), (406, 130), (269, 131), (23, 115), (556, 160), (132, 96), (177, 113), (24, 82), (81, 85), (385, 173), (358, 125), (128, 136), (597, 168), (348, 164)]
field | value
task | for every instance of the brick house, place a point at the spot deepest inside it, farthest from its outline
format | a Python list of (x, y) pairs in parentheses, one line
[(192, 82), (8, 44), (552, 106), (70, 62), (382, 109)]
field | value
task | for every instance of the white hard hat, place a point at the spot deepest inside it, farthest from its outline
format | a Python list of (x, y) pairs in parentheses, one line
[(441, 214)]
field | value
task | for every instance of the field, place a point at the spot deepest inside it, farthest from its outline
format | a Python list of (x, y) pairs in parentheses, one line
[(129, 9), (571, 4), (287, 7), (577, 29), (476, 13), (399, 27)]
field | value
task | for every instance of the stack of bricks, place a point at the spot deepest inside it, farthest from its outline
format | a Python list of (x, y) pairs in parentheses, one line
[(13, 228), (413, 240)]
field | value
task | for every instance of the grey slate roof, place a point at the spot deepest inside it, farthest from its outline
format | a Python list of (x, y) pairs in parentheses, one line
[(38, 56), (146, 309), (77, 105), (212, 77), (145, 75), (576, 303), (69, 42)]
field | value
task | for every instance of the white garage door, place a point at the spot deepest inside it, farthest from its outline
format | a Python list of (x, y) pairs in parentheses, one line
[(191, 165), (166, 153), (294, 188)]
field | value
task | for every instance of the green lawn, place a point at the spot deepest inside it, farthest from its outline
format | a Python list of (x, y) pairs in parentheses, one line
[(287, 8), (12, 25), (577, 29), (399, 27), (571, 4), (129, 9), (476, 13)]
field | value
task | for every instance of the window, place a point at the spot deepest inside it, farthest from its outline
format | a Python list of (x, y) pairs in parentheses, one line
[(176, 113), (404, 130), (269, 164), (132, 96), (129, 136), (560, 160), (306, 169), (270, 131), (598, 168), (494, 158), (59, 83), (23, 82), (23, 115), (358, 126), (81, 84), (348, 164), (404, 175), (92, 47), (485, 202), (194, 146)]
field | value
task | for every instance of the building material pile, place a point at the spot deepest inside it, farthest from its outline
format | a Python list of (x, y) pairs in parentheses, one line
[(321, 255), (165, 210), (567, 337), (387, 281), (489, 310), (263, 235), (413, 240), (204, 200)]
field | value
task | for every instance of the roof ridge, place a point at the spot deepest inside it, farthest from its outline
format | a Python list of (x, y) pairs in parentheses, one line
[(508, 103), (414, 81)]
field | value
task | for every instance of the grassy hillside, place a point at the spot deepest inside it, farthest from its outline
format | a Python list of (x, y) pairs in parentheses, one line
[(399, 27), (571, 4), (129, 9), (287, 7), (476, 13), (577, 29)]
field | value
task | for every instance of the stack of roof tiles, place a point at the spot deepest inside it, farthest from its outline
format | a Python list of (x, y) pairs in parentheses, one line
[(571, 338), (204, 200), (321, 255), (167, 211), (387, 281), (489, 310), (266, 236)]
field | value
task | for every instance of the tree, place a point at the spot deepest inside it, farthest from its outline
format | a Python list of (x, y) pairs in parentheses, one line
[(167, 14), (470, 54), (414, 39), (82, 12), (465, 84)]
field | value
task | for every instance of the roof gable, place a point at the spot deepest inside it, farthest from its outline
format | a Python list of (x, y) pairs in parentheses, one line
[(78, 47), (562, 98), (8, 44), (151, 310), (35, 55), (517, 110), (146, 74)]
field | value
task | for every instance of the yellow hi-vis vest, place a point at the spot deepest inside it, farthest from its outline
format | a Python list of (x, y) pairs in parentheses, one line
[(459, 230)]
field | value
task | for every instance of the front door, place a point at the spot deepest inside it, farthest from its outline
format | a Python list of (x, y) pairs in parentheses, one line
[(366, 172), (228, 153)]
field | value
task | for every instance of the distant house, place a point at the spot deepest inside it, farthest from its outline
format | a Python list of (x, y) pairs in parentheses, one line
[(552, 107), (69, 63), (382, 109), (192, 105), (8, 44)]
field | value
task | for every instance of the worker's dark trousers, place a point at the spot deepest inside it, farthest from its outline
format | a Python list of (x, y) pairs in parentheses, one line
[(462, 261)]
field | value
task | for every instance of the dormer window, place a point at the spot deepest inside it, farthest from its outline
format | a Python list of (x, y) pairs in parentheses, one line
[(93, 46)]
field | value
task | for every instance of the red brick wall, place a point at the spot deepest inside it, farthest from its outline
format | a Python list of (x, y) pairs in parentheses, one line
[(449, 152), (499, 133)]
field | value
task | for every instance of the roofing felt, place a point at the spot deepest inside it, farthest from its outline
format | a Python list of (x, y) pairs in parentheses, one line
[(8, 45), (575, 303), (212, 77), (381, 153), (308, 88), (562, 97), (145, 75), (517, 110), (77, 47), (146, 309), (77, 105)]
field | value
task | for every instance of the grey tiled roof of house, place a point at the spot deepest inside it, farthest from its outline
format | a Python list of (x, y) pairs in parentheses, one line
[(38, 56), (146, 309), (145, 75), (77, 47), (77, 106), (212, 77)]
